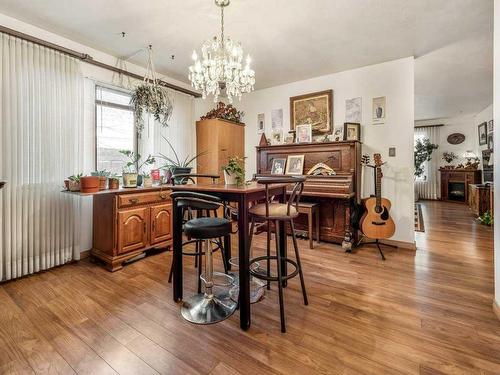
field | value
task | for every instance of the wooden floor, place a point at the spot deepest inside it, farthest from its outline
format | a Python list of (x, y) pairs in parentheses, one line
[(423, 313)]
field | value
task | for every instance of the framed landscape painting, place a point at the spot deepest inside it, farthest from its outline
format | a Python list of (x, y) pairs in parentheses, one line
[(315, 109)]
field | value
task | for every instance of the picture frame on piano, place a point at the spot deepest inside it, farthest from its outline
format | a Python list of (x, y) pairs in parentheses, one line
[(295, 165), (352, 131), (278, 166)]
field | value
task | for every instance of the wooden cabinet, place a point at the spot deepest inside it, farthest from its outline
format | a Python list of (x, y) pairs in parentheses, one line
[(127, 222), (479, 198), (218, 140), (455, 184)]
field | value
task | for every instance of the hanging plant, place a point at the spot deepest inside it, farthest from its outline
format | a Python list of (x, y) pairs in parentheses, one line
[(150, 97), (422, 153)]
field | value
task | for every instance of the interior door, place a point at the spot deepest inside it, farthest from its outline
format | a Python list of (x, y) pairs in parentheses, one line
[(161, 223), (133, 229)]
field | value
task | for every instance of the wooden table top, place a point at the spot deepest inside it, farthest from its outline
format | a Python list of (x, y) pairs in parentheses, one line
[(122, 190), (247, 188)]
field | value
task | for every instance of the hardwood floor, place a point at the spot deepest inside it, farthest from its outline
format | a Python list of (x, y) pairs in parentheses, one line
[(428, 312)]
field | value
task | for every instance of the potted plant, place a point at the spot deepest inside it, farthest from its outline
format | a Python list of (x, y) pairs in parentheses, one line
[(422, 153), (151, 98), (89, 184), (113, 182), (131, 178), (74, 182), (147, 181), (103, 178), (178, 166), (449, 157), (234, 173)]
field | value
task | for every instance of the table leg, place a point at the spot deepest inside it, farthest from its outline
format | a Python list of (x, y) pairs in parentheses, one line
[(243, 255), (317, 225), (177, 250), (282, 239)]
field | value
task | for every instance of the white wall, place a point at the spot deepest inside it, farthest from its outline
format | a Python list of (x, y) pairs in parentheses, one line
[(395, 80), (182, 123), (496, 141)]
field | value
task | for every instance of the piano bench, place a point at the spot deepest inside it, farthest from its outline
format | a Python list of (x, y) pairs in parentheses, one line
[(311, 210)]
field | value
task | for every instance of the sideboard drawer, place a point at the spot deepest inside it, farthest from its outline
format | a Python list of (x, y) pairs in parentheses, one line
[(128, 200)]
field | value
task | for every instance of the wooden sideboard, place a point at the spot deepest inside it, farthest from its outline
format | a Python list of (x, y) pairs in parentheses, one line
[(127, 222), (479, 198), (218, 140), (335, 194), (455, 184)]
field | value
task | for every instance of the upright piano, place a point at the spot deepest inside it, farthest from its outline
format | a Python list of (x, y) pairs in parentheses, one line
[(335, 194)]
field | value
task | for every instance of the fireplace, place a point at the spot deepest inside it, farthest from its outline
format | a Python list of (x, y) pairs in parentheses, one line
[(455, 183), (456, 191)]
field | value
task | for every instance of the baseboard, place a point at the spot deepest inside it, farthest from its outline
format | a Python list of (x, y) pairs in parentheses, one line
[(496, 309), (84, 254)]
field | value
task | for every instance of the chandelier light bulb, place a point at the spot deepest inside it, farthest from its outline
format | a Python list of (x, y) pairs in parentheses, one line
[(194, 56)]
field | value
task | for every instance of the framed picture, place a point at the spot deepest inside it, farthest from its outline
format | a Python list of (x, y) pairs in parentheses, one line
[(304, 133), (353, 110), (277, 137), (352, 131), (295, 164), (278, 166), (378, 110), (289, 139), (490, 126), (337, 135), (481, 132), (260, 123), (490, 141), (315, 109)]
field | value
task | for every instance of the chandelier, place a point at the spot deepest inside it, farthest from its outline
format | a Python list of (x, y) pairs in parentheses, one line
[(221, 66)]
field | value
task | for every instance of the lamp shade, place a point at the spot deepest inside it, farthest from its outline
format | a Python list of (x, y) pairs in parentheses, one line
[(469, 155)]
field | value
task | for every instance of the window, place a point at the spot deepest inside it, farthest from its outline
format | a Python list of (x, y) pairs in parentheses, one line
[(115, 129)]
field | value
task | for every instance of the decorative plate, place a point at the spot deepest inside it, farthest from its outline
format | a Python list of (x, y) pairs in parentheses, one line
[(455, 138)]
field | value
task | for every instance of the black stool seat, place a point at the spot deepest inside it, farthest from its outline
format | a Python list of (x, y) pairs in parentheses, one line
[(207, 227)]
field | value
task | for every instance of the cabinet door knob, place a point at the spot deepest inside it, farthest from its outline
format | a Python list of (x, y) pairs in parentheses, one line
[(163, 196), (134, 200)]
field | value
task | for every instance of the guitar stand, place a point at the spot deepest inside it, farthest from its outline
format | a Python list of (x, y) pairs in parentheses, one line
[(378, 243)]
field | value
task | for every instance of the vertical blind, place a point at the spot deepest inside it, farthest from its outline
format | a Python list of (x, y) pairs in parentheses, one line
[(41, 114)]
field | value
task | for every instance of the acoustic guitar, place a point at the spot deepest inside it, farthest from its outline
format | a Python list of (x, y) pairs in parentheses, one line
[(376, 222)]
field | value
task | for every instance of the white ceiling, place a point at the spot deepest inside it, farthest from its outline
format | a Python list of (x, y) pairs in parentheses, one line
[(290, 40)]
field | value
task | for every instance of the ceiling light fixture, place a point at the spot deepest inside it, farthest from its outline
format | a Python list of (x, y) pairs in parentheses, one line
[(221, 67)]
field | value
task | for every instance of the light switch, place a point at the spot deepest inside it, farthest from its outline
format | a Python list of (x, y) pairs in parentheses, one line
[(392, 151)]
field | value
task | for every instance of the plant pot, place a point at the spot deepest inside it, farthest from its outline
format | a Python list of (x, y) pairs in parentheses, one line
[(230, 178), (74, 185), (103, 182), (113, 183), (181, 170), (129, 180), (89, 184), (66, 184), (147, 181)]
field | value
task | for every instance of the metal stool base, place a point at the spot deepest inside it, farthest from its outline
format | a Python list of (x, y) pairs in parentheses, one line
[(200, 309)]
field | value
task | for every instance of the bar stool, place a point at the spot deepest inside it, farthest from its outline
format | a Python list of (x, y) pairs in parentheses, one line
[(206, 308), (276, 213), (206, 210)]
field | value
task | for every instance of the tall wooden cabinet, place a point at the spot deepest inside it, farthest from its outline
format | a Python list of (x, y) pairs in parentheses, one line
[(219, 140), (127, 222)]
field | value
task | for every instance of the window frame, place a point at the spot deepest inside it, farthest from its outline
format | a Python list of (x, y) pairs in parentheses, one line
[(105, 103)]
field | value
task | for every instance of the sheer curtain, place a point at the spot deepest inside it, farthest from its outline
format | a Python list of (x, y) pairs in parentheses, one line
[(41, 112), (428, 186)]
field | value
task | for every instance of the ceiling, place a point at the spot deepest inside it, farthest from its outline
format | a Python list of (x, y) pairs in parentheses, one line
[(290, 40)]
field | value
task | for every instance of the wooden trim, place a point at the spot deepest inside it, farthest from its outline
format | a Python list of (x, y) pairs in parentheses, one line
[(90, 60), (284, 145), (85, 254), (496, 309), (428, 126)]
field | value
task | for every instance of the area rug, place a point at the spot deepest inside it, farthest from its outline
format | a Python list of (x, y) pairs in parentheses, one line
[(419, 218)]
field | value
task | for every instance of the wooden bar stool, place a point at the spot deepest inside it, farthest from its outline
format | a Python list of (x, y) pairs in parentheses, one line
[(275, 212), (312, 212)]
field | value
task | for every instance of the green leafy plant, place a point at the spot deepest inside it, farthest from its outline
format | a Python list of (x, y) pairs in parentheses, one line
[(135, 158), (449, 156), (103, 173), (422, 153), (235, 165), (153, 99), (75, 178), (177, 163), (486, 218)]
